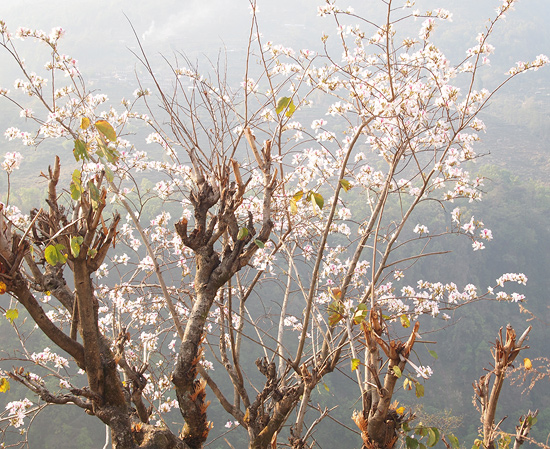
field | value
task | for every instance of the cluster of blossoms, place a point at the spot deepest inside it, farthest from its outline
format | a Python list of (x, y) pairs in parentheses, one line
[(15, 133), (18, 410), (424, 372), (537, 63), (47, 356), (15, 216), (12, 161), (293, 322)]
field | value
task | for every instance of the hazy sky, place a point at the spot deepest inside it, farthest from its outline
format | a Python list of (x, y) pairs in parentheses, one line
[(98, 32)]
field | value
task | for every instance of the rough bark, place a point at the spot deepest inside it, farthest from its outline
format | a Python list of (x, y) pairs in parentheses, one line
[(505, 351)]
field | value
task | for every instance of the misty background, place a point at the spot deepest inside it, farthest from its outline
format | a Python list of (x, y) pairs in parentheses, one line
[(100, 35)]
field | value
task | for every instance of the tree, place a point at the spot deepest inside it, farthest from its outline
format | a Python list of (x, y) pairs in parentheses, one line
[(319, 220)]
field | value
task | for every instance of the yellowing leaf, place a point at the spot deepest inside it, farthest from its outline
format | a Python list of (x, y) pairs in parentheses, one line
[(334, 318), (335, 293), (243, 232), (336, 311), (294, 201), (355, 364), (405, 322), (105, 128), (397, 371), (284, 103), (326, 386), (84, 123), (3, 287), (345, 184), (4, 385), (527, 364), (12, 314), (400, 410)]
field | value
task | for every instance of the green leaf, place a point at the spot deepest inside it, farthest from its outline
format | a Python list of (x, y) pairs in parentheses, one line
[(345, 184), (433, 436), (76, 185), (106, 152), (360, 314), (397, 371), (109, 173), (405, 322), (75, 192), (433, 354), (105, 128), (80, 151), (4, 385), (318, 199), (355, 364), (336, 310), (12, 314), (454, 441), (412, 443), (259, 244), (75, 245), (421, 430), (243, 232), (504, 442), (94, 194), (55, 254), (419, 390), (92, 252)]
